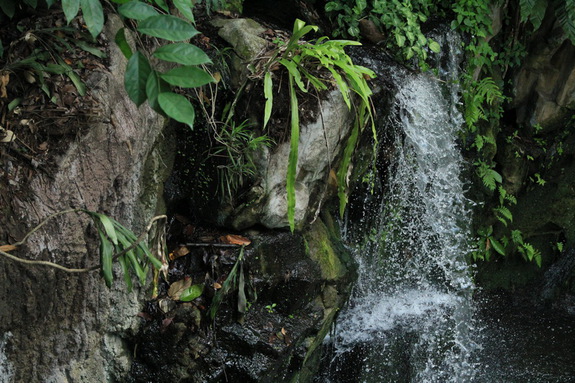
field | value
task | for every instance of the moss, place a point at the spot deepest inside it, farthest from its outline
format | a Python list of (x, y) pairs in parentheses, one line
[(321, 250)]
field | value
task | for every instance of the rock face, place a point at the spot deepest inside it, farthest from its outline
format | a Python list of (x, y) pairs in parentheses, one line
[(59, 327), (294, 283), (545, 85)]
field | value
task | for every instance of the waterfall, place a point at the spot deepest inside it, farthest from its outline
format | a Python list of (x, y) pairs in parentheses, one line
[(411, 315)]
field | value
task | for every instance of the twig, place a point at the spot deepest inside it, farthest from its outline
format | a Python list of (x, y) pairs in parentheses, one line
[(209, 245), (140, 238)]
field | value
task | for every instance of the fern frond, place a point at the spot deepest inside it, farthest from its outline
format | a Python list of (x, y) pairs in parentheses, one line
[(517, 237), (565, 12)]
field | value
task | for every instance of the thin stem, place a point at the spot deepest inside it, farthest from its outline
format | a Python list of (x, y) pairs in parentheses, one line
[(140, 238)]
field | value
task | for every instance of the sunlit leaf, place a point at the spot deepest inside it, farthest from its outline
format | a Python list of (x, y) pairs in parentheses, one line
[(187, 77), (167, 27), (137, 73), (177, 107), (93, 16), (182, 53)]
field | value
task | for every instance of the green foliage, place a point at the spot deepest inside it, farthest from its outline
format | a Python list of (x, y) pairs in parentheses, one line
[(303, 60), (118, 242), (400, 20), (237, 144), (234, 281)]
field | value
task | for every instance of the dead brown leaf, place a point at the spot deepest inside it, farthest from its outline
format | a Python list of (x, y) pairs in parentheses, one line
[(4, 80), (7, 248), (179, 252), (233, 239), (177, 288), (217, 286)]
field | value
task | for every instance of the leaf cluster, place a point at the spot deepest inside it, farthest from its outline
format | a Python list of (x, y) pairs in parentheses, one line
[(302, 61), (116, 241)]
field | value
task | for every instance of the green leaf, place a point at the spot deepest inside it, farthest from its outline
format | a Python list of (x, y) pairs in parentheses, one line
[(106, 255), (182, 53), (178, 107), (73, 76), (167, 27), (8, 7), (93, 16), (269, 96), (1, 49), (293, 155), (187, 77), (434, 46), (89, 48), (162, 4), (185, 7), (32, 3), (137, 73), (192, 292), (154, 86), (497, 246), (126, 271), (70, 8), (137, 10), (122, 43), (49, 3), (108, 227)]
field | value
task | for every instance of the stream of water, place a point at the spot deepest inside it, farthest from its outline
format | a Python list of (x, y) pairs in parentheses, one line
[(410, 318)]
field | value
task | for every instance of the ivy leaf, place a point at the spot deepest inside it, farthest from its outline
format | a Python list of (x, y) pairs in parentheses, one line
[(93, 16), (70, 8), (137, 73), (177, 107), (187, 77), (182, 53), (137, 10), (167, 27)]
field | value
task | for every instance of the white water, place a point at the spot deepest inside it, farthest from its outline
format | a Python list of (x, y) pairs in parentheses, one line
[(411, 314)]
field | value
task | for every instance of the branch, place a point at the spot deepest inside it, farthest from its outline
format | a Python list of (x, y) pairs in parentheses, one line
[(140, 238)]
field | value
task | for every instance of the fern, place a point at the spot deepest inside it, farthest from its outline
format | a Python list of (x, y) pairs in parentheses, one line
[(517, 237), (533, 11), (565, 12)]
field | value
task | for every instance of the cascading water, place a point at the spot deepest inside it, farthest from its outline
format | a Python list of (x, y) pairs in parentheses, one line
[(411, 313)]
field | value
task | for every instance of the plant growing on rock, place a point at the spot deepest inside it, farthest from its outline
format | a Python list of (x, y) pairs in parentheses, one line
[(303, 60)]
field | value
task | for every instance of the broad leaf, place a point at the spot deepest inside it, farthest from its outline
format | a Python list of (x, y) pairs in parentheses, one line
[(93, 16), (154, 86), (192, 293), (187, 77), (185, 7), (178, 107), (70, 8), (122, 43), (182, 53), (137, 73), (167, 27), (497, 246), (137, 10), (108, 227), (32, 3)]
